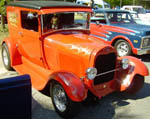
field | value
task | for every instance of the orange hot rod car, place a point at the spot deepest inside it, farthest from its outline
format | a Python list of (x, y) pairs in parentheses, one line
[(51, 41)]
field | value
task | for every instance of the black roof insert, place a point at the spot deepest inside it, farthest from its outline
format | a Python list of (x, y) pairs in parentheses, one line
[(43, 4)]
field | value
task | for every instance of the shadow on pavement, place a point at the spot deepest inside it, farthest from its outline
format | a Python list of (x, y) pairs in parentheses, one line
[(145, 58), (40, 112), (105, 108), (143, 93)]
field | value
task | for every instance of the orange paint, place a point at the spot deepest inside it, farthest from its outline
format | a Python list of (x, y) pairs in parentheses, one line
[(62, 55)]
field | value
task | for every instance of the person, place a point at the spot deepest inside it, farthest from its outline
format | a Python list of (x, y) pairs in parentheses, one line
[(54, 22), (90, 3)]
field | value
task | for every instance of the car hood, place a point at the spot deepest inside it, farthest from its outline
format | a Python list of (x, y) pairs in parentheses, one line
[(145, 17), (137, 28), (139, 21), (75, 42)]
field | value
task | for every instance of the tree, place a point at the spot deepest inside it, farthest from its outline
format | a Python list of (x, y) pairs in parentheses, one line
[(120, 3), (3, 3)]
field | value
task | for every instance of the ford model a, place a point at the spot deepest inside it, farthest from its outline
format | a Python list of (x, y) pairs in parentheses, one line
[(51, 41)]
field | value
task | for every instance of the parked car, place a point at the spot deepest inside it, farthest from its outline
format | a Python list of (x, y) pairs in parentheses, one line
[(137, 19), (143, 15), (49, 42), (147, 11), (97, 3), (118, 28)]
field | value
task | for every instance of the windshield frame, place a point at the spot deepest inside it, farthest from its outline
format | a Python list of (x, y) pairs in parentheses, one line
[(50, 31)]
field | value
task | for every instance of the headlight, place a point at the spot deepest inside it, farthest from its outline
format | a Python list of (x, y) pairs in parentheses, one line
[(125, 63), (91, 73), (146, 42)]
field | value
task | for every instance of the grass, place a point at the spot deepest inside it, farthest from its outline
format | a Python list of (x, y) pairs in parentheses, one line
[(3, 34)]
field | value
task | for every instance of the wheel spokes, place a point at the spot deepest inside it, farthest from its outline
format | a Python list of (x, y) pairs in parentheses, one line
[(5, 57), (122, 49), (60, 99)]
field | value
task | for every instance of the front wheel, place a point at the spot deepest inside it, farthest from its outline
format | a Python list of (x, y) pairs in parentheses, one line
[(123, 48), (6, 57), (135, 85), (64, 106)]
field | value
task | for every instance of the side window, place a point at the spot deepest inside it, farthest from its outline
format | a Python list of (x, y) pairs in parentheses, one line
[(99, 18), (29, 20)]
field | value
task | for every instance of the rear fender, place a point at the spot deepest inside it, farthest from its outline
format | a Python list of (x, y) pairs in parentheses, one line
[(73, 85), (15, 56), (137, 67)]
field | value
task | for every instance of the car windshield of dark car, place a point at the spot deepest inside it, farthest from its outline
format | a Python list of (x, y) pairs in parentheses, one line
[(65, 21), (119, 17)]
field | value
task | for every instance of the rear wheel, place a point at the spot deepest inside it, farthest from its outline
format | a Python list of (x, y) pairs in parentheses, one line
[(64, 106), (123, 48), (135, 85), (6, 57)]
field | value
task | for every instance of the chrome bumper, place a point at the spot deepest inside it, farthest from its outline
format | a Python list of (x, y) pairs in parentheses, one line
[(143, 51)]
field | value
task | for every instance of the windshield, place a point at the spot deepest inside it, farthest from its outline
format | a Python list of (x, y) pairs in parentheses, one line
[(139, 10), (119, 17), (135, 16), (65, 20)]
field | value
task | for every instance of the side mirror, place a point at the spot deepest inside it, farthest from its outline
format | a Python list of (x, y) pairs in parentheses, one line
[(97, 22)]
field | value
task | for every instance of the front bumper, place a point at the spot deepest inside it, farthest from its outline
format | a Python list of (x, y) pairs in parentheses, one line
[(143, 51)]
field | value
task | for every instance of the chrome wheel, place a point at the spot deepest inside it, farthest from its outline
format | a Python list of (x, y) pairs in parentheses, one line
[(60, 99), (5, 57), (63, 105), (123, 48)]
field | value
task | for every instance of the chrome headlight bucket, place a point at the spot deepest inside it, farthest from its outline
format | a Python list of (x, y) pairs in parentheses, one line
[(91, 73), (125, 63), (145, 42)]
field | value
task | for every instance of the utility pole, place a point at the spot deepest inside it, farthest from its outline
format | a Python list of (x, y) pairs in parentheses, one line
[(133, 2), (120, 3)]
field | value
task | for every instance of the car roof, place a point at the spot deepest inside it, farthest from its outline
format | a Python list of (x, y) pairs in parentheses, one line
[(44, 4), (109, 10), (132, 6), (132, 12)]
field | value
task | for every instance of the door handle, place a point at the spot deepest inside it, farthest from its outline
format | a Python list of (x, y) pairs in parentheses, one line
[(20, 33)]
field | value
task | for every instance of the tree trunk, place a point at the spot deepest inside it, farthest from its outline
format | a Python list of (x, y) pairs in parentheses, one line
[(3, 22)]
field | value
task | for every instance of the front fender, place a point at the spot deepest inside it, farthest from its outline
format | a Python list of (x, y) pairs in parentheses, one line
[(73, 85), (137, 67)]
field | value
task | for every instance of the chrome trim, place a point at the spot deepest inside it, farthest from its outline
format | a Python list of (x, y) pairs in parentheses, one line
[(143, 51), (103, 73), (108, 72), (142, 41)]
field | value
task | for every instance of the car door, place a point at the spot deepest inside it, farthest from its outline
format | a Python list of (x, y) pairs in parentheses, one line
[(29, 41)]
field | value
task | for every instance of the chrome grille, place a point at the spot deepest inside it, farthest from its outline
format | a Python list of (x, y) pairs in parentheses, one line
[(105, 63)]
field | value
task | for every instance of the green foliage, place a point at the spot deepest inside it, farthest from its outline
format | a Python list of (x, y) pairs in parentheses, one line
[(114, 3), (2, 6)]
